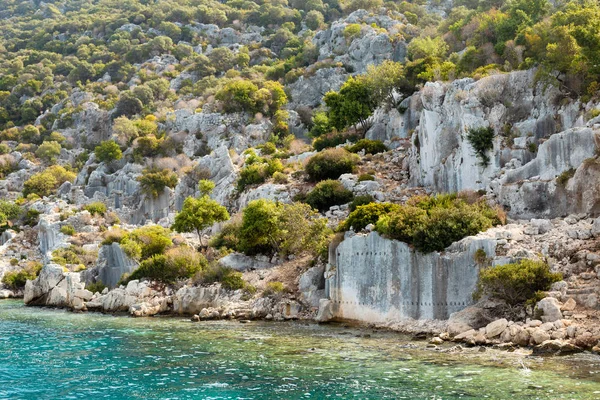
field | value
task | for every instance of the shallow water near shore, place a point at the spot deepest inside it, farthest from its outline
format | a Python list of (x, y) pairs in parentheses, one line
[(55, 354)]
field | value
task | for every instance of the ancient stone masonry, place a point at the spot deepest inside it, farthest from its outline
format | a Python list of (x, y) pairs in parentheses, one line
[(373, 279)]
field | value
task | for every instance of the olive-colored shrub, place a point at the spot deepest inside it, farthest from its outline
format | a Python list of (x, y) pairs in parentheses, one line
[(330, 164), (369, 146), (328, 193), (434, 223), (96, 208), (516, 283), (367, 214), (177, 263)]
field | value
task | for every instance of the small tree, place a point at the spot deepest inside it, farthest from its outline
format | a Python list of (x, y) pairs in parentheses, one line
[(108, 151), (201, 213)]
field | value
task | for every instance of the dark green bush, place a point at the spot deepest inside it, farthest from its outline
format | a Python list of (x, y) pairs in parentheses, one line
[(96, 287), (108, 151), (482, 140), (367, 214), (360, 201), (434, 223), (369, 146), (333, 139), (330, 164), (328, 193), (258, 172), (516, 283)]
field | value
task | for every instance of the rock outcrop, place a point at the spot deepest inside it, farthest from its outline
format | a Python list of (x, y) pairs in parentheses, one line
[(373, 279)]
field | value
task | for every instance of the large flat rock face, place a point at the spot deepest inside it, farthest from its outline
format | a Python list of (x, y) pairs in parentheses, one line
[(376, 280)]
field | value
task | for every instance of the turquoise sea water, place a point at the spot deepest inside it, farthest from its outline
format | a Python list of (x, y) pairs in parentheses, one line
[(53, 354)]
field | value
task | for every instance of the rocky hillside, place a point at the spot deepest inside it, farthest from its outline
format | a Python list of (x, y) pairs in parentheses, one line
[(334, 160)]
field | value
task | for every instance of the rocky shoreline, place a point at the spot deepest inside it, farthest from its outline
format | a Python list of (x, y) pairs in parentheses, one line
[(552, 334)]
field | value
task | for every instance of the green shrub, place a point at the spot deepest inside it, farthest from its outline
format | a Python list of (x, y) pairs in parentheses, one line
[(516, 283), (365, 177), (268, 227), (482, 140), (369, 146), (330, 164), (151, 239), (16, 280), (367, 214), (46, 182), (177, 263), (280, 178), (95, 287), (565, 176), (68, 230), (48, 151), (333, 139), (257, 171), (360, 201), (154, 181), (96, 208), (328, 193), (273, 288), (74, 255), (32, 217), (229, 278), (434, 223), (108, 151)]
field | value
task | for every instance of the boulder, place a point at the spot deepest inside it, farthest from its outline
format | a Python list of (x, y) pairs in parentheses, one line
[(555, 347), (539, 336), (569, 305), (242, 262), (496, 328), (550, 309), (312, 285), (325, 310)]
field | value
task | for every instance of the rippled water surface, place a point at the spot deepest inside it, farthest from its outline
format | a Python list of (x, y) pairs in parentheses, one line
[(53, 354)]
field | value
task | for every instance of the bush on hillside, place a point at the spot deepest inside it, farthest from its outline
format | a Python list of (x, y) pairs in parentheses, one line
[(215, 272), (16, 280), (177, 263), (367, 214), (96, 208), (330, 164), (434, 223), (333, 139), (46, 182), (482, 140), (328, 193), (516, 283), (108, 151), (369, 146), (153, 181)]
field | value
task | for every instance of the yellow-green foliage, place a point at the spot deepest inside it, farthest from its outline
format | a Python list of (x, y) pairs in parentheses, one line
[(96, 208), (68, 230), (17, 279), (46, 182), (177, 263)]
